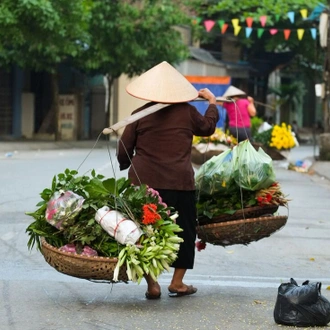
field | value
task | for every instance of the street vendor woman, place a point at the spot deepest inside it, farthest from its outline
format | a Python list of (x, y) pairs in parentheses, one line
[(157, 151), (239, 113)]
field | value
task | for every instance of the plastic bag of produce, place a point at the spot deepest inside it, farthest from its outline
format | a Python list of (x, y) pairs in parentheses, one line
[(302, 306), (215, 175), (253, 170), (64, 205)]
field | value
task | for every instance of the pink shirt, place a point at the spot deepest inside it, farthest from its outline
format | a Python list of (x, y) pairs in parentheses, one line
[(238, 113)]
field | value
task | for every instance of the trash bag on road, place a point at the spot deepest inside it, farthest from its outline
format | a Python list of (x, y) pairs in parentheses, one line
[(301, 306)]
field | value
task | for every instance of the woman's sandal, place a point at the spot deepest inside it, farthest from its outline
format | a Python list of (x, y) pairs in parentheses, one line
[(174, 293), (152, 296)]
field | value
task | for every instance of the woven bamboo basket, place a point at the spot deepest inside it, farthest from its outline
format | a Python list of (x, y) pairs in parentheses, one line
[(243, 231), (249, 212), (84, 267), (200, 158)]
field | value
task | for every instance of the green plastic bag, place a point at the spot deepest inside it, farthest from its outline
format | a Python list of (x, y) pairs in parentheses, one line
[(215, 175), (253, 170)]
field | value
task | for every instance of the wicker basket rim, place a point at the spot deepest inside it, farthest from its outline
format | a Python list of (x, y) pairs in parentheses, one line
[(74, 255), (240, 221), (246, 210)]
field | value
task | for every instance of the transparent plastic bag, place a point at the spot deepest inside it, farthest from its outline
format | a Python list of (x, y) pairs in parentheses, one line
[(253, 170), (64, 205), (302, 306), (215, 175)]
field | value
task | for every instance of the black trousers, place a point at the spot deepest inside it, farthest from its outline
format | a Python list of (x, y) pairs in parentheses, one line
[(184, 203), (241, 133)]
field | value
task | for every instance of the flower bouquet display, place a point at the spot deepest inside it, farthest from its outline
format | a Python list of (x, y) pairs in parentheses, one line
[(236, 186), (205, 147), (276, 141), (98, 218)]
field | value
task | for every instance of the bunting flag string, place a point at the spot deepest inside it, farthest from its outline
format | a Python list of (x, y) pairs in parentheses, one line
[(235, 22)]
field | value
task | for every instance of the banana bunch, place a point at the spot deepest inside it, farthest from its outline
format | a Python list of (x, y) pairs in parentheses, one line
[(155, 252)]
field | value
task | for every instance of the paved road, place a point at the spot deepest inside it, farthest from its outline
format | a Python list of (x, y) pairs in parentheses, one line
[(237, 285)]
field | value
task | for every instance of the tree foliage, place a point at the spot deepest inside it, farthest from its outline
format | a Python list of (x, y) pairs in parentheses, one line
[(100, 36), (132, 36), (39, 34)]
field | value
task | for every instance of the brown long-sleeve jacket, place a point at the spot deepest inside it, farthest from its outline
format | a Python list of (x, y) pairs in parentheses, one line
[(159, 145)]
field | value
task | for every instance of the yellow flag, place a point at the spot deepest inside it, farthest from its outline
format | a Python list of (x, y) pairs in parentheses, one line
[(303, 13), (237, 29), (300, 33), (235, 22)]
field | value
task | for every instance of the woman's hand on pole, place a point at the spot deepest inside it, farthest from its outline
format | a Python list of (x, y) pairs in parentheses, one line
[(208, 95)]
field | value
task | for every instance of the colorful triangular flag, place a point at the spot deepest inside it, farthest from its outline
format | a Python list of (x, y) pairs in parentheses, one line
[(209, 25), (300, 33), (224, 28), (249, 21), (291, 16), (260, 32), (304, 13), (263, 20), (221, 22), (248, 32), (313, 32), (235, 22), (286, 34), (196, 20), (237, 29), (273, 31)]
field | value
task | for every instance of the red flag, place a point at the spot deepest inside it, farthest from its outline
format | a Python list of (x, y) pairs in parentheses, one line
[(224, 28), (286, 34), (249, 21)]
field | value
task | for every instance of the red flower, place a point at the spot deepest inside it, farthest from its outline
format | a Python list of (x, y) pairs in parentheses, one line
[(150, 215), (200, 245)]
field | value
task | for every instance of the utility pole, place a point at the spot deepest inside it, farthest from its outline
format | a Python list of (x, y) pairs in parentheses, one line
[(326, 108), (324, 138)]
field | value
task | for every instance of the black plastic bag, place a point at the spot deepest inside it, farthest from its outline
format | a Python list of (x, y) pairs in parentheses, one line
[(301, 306)]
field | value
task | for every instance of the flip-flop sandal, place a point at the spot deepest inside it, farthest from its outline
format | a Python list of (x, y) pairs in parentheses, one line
[(175, 294), (152, 296)]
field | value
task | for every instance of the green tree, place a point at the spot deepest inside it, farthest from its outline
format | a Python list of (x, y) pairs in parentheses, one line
[(41, 34), (109, 37), (129, 37)]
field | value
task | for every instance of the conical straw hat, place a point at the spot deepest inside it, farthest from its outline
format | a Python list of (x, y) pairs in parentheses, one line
[(162, 84), (233, 91)]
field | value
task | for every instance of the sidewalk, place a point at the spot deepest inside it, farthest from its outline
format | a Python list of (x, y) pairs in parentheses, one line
[(13, 146), (8, 148)]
